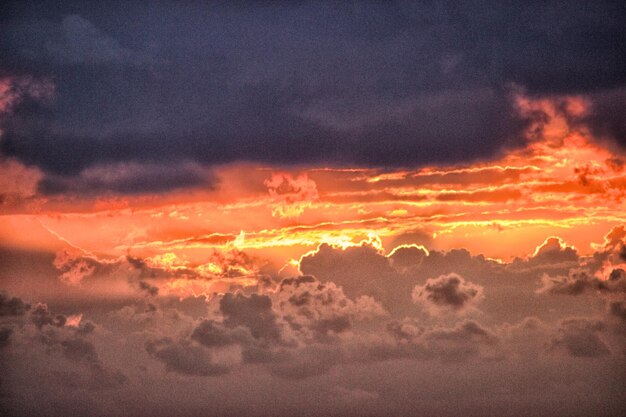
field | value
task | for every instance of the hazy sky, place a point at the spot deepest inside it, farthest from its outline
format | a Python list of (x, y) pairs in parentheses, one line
[(312, 208)]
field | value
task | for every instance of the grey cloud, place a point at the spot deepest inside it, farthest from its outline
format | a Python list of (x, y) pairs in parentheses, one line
[(284, 332), (12, 306), (129, 178), (579, 338), (254, 312), (511, 286), (580, 281), (42, 316), (79, 350), (61, 351), (407, 256), (404, 330), (360, 270), (391, 279), (312, 335), (311, 360), (5, 336), (212, 333), (464, 341), (185, 358), (618, 309), (103, 378), (551, 252), (317, 311), (85, 327), (448, 291), (148, 289)]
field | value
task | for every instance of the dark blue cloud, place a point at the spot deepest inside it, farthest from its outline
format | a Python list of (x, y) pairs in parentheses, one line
[(377, 84)]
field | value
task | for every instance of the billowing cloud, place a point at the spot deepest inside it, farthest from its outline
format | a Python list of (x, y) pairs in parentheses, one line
[(554, 250), (317, 311), (41, 316), (580, 281), (12, 306), (213, 333), (447, 292), (305, 330), (581, 338), (254, 312), (186, 358)]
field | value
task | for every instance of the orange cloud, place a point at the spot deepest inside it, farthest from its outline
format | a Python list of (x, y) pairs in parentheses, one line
[(562, 183), (290, 195)]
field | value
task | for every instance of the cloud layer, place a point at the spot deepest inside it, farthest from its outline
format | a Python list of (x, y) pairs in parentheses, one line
[(384, 84), (352, 334)]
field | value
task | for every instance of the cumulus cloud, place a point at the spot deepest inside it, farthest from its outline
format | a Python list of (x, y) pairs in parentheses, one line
[(316, 310), (580, 281), (512, 286), (61, 353), (42, 316), (254, 312), (466, 339), (213, 333), (12, 306), (187, 358), (447, 291), (580, 337), (310, 333), (293, 331), (407, 256), (554, 251), (359, 270)]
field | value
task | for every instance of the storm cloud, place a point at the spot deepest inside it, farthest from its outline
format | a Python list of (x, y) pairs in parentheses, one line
[(386, 84)]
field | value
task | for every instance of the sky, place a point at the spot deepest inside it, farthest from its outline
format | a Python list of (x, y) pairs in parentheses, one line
[(312, 208)]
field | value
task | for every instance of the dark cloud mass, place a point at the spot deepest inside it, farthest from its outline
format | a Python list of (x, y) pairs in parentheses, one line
[(578, 282), (386, 84), (254, 312), (12, 306), (41, 316), (579, 337), (447, 291), (374, 327)]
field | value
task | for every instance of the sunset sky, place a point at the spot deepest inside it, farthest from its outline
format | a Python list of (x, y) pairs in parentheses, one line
[(312, 208)]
